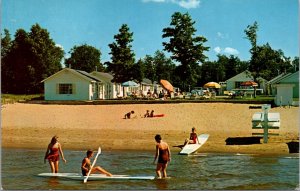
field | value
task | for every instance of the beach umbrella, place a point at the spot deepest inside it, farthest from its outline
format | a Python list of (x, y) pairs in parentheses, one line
[(249, 83), (129, 84), (167, 85), (212, 85)]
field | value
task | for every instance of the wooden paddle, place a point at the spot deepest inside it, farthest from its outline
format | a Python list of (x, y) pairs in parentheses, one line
[(94, 162)]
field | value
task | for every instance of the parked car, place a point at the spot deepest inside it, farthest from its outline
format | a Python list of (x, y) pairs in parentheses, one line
[(199, 91)]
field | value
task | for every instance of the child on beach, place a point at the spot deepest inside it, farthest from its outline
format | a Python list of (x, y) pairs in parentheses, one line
[(164, 156), (147, 114), (52, 154), (86, 165), (128, 115)]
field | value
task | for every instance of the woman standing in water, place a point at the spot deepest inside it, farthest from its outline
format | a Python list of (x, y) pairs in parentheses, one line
[(52, 154), (164, 156)]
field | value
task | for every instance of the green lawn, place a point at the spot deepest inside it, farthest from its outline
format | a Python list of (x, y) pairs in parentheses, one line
[(12, 98)]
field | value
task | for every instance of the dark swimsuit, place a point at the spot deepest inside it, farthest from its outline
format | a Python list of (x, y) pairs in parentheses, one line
[(163, 156), (84, 173), (53, 155)]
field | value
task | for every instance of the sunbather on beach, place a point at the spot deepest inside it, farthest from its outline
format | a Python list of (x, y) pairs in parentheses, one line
[(152, 113), (128, 115), (147, 114)]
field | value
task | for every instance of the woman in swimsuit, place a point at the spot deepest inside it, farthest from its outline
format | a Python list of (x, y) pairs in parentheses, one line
[(193, 137), (164, 156), (52, 154), (86, 165)]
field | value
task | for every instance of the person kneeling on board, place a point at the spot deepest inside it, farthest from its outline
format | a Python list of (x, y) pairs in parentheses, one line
[(193, 137), (86, 165)]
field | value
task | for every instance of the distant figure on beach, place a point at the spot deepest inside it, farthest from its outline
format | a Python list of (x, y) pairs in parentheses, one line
[(164, 156), (151, 114), (193, 137), (147, 114), (86, 165), (128, 115), (52, 154)]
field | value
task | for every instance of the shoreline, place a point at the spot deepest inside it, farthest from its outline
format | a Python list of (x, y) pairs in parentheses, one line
[(31, 126)]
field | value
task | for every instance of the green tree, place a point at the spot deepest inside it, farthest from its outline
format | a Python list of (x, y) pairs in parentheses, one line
[(122, 57), (138, 71), (33, 57), (149, 63), (5, 68), (164, 66), (85, 57), (229, 66), (186, 48)]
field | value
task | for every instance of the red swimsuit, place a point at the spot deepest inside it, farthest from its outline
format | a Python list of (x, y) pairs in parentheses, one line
[(193, 137), (53, 156)]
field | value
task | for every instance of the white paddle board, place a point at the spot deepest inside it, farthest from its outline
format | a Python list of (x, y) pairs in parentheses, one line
[(78, 176), (191, 148)]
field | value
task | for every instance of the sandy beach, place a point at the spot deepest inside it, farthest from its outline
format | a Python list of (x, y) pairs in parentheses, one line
[(82, 127)]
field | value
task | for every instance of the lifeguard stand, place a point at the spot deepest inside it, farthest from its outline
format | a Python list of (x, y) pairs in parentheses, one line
[(265, 121)]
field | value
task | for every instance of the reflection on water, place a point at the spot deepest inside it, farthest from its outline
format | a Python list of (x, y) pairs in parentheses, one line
[(200, 171)]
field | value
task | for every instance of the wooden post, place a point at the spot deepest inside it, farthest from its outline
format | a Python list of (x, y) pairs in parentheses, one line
[(265, 109)]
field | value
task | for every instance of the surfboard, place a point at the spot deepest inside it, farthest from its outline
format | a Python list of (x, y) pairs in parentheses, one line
[(78, 176), (191, 148)]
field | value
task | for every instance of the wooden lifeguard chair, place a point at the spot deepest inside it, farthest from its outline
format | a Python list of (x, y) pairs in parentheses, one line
[(265, 121)]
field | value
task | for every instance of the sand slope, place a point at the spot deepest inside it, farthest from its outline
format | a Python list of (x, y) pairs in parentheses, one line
[(88, 126)]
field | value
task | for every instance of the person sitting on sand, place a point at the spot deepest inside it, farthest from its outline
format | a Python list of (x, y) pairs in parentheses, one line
[(151, 114), (86, 165), (193, 137), (147, 114), (128, 115)]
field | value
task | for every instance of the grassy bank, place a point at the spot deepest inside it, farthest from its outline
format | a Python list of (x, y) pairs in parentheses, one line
[(12, 98)]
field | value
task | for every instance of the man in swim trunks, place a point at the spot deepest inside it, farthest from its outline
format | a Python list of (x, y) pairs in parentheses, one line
[(164, 156), (86, 165)]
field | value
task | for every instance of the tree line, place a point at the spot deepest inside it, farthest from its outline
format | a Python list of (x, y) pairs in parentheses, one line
[(33, 56)]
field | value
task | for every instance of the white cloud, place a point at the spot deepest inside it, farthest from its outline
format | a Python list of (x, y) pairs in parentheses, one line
[(232, 51), (217, 49), (60, 46), (227, 50), (187, 4), (220, 35)]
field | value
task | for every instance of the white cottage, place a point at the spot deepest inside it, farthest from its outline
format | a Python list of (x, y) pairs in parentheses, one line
[(108, 89), (287, 88), (235, 82), (70, 84)]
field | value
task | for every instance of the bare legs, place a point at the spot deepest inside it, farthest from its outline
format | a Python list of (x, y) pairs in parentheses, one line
[(54, 166), (161, 167), (100, 170)]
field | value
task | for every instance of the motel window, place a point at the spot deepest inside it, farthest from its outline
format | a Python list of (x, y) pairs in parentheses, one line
[(66, 89)]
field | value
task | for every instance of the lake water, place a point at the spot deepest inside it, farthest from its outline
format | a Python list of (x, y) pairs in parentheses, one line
[(202, 171)]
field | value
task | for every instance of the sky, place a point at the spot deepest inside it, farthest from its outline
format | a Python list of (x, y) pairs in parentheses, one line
[(95, 22)]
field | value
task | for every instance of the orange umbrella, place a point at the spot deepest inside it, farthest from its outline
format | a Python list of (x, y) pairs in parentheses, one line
[(212, 85), (249, 83), (167, 85)]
